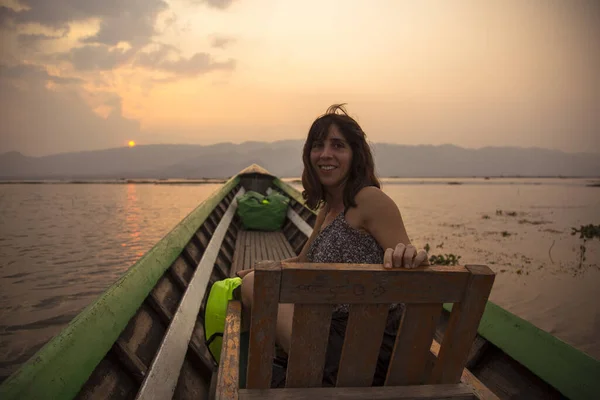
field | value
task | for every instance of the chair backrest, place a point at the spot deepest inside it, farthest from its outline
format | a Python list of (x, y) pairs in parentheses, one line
[(369, 289)]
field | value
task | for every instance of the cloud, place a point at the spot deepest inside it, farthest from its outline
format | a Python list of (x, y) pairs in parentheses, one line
[(121, 21), (35, 40), (30, 72), (221, 42), (34, 120), (219, 4), (97, 57), (200, 63)]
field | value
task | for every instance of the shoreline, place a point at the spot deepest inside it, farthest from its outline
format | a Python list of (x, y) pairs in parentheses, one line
[(455, 180)]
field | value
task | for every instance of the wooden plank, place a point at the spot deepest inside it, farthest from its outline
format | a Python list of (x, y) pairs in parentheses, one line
[(300, 223), (63, 365), (228, 380), (275, 244), (467, 378), (252, 249), (263, 321), (271, 255), (462, 326), (263, 247), (310, 333), (480, 345), (285, 247), (247, 252), (414, 338), (421, 392), (259, 247), (364, 283), (238, 255), (130, 360), (161, 379), (364, 334)]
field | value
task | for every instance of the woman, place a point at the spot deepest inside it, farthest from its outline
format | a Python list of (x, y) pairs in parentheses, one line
[(355, 223)]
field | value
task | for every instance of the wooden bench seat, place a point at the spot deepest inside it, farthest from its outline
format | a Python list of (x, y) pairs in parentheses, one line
[(313, 288), (254, 246)]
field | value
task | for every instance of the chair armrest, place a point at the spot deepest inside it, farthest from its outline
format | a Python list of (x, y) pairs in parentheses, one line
[(228, 380)]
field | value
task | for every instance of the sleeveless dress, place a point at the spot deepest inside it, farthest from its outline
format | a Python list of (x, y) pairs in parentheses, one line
[(339, 242)]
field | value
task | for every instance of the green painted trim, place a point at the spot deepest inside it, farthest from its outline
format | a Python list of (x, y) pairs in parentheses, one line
[(292, 192), (64, 364), (572, 372)]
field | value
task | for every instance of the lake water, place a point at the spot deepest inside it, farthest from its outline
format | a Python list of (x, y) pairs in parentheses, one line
[(61, 245)]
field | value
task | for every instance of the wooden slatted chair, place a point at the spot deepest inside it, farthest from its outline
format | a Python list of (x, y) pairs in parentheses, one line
[(369, 289)]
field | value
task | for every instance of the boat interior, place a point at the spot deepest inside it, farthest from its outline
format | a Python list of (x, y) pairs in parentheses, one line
[(162, 353)]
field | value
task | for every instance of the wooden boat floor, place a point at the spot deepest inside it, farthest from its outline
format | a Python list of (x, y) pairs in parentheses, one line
[(254, 246)]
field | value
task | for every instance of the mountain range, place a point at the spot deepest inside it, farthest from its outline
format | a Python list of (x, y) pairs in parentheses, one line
[(284, 159)]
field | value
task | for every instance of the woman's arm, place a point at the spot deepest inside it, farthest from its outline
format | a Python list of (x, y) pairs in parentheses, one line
[(381, 217)]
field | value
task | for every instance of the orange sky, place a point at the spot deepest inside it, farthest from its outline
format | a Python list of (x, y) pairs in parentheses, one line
[(471, 73)]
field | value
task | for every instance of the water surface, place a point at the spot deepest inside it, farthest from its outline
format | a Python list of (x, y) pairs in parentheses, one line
[(61, 245)]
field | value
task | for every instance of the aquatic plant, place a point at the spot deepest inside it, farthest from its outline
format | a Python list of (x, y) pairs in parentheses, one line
[(446, 259), (586, 232)]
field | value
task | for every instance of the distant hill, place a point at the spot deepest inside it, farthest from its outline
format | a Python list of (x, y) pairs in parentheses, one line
[(284, 158)]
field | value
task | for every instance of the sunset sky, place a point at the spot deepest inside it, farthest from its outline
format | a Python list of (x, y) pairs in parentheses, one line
[(88, 74)]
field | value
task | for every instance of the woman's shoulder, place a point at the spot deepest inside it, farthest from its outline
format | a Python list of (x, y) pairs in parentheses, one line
[(372, 204), (373, 196)]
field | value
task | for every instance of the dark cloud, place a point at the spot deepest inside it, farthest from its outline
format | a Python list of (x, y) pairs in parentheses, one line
[(33, 73), (220, 42), (34, 40), (197, 64), (36, 120), (97, 57), (135, 26), (131, 21), (220, 4)]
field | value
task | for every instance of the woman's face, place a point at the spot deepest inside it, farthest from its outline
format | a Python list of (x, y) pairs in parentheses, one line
[(331, 158)]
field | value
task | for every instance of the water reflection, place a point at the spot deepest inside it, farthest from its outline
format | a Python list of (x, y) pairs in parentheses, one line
[(133, 221)]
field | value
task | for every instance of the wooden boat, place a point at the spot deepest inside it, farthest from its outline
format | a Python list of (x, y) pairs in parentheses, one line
[(143, 337)]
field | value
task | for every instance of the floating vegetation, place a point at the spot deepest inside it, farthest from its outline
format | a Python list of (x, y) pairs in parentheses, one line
[(586, 232), (485, 216), (446, 259), (550, 230), (507, 213), (454, 183), (526, 221), (506, 234)]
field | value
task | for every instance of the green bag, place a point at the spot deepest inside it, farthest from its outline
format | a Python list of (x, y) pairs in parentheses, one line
[(216, 311), (262, 213)]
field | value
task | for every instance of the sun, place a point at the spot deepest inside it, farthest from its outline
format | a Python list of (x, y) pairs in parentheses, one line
[(131, 143)]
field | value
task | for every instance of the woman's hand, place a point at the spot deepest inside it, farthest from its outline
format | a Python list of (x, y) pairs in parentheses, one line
[(405, 256)]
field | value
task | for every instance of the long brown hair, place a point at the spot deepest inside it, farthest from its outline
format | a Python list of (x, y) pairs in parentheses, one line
[(362, 168)]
